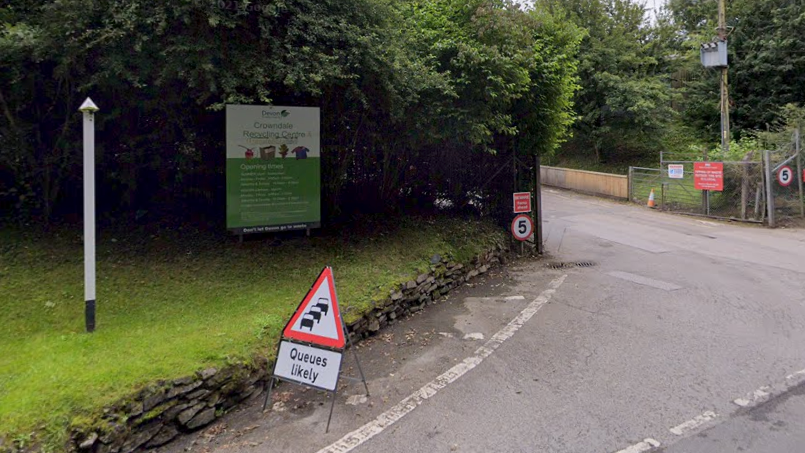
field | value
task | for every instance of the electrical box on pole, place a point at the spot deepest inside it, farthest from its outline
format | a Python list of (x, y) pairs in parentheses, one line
[(714, 54)]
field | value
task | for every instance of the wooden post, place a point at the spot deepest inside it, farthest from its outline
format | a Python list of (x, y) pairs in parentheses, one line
[(744, 187), (769, 188), (629, 185)]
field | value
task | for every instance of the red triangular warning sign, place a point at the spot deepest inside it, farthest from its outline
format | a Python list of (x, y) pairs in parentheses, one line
[(317, 320)]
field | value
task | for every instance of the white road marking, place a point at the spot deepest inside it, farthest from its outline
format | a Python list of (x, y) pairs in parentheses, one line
[(409, 403), (641, 447), (355, 400), (640, 280), (758, 396), (796, 376), (768, 391), (515, 298), (474, 336), (696, 422)]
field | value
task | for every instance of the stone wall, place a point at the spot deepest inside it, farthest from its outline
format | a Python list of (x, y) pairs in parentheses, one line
[(414, 295), (166, 409)]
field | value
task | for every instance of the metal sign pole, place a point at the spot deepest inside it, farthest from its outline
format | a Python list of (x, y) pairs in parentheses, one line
[(538, 203), (88, 108), (270, 384), (350, 345), (332, 406), (798, 148)]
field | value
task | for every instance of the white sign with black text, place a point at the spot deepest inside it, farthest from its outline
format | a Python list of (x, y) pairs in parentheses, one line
[(676, 171), (308, 365)]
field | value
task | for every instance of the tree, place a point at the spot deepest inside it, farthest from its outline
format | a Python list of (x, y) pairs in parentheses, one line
[(767, 65), (624, 103), (417, 97)]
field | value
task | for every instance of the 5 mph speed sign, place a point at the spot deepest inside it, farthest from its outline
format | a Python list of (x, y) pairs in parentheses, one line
[(785, 176), (522, 227)]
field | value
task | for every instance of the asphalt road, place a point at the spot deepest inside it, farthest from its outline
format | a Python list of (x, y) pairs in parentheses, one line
[(684, 336)]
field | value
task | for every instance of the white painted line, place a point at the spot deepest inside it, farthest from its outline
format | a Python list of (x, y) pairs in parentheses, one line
[(766, 392), (690, 425), (515, 298), (640, 280), (795, 376), (355, 400), (641, 447), (758, 396), (409, 403)]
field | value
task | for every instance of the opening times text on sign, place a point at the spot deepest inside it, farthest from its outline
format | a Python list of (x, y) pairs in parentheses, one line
[(273, 174)]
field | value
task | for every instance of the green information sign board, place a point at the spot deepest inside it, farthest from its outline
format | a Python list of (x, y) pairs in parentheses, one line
[(273, 168)]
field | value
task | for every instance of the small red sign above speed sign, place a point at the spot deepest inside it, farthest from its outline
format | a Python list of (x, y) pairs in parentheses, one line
[(522, 227), (522, 202), (785, 176)]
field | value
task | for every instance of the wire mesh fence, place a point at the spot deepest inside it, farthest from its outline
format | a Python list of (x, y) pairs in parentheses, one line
[(786, 185), (742, 195), (765, 186), (642, 181)]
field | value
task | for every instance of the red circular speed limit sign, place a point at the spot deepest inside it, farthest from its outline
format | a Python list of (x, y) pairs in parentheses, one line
[(785, 176), (522, 227)]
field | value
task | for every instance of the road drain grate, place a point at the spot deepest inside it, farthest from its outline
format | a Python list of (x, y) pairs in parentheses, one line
[(569, 265)]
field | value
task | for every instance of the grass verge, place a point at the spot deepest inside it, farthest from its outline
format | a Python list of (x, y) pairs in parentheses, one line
[(171, 303)]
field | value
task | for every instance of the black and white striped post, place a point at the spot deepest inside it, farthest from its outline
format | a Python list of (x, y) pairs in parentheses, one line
[(88, 108)]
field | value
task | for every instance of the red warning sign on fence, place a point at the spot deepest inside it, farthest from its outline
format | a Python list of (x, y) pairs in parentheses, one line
[(708, 176), (317, 320)]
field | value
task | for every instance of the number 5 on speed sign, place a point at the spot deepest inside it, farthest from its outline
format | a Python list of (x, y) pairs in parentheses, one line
[(522, 227)]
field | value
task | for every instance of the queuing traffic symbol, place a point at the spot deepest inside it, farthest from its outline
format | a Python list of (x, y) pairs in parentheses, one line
[(522, 227), (317, 320), (785, 176), (522, 202)]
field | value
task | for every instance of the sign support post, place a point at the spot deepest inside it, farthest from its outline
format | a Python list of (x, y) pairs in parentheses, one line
[(351, 346), (798, 149), (88, 108), (538, 203)]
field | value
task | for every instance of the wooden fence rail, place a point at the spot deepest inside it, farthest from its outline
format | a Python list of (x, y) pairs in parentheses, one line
[(591, 182)]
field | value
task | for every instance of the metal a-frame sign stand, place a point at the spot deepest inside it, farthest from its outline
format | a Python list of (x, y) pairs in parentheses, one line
[(316, 348)]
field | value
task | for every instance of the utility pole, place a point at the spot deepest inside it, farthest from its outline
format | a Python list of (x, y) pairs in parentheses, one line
[(725, 96)]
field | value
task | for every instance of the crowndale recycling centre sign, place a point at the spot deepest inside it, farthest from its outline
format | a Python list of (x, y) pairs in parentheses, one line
[(273, 168)]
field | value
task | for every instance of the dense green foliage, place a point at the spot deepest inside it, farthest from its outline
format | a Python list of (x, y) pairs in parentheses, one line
[(767, 63), (624, 104), (417, 97), (644, 90)]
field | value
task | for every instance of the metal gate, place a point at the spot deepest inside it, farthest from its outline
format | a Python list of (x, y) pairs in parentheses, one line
[(784, 174), (743, 197)]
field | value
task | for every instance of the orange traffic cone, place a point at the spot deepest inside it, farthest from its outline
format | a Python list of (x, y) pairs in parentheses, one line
[(651, 199)]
